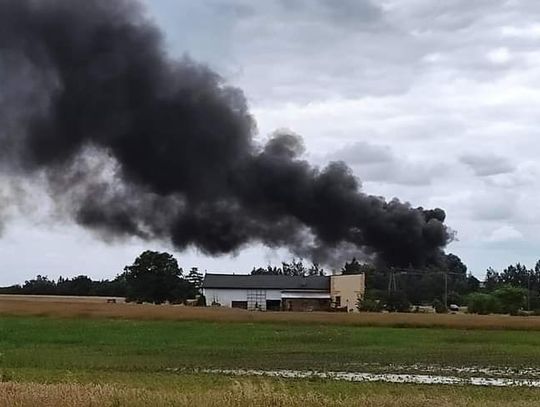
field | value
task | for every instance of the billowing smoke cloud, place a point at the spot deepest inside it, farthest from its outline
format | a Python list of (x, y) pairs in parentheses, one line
[(132, 142)]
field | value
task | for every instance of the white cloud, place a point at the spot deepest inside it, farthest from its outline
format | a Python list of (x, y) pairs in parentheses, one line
[(504, 234), (530, 31), (499, 55)]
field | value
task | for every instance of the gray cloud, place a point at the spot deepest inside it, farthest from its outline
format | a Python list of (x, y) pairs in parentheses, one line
[(352, 12), (377, 163), (363, 153), (488, 164), (404, 173)]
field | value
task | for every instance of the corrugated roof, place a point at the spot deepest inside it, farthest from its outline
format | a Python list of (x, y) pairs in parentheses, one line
[(266, 282)]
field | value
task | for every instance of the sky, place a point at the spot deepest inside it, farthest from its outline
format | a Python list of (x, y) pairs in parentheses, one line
[(432, 102)]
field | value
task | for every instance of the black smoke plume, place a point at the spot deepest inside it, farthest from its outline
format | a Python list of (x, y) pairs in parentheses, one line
[(133, 142)]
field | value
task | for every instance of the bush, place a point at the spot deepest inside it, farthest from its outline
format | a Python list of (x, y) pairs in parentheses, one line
[(369, 305), (201, 301), (397, 301), (372, 301), (455, 298), (534, 300), (439, 306), (478, 303), (511, 299)]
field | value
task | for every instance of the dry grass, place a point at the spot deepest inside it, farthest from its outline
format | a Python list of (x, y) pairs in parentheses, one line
[(240, 394), (59, 298), (93, 307)]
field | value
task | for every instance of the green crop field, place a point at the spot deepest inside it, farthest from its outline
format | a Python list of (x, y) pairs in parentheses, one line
[(98, 344), (154, 362)]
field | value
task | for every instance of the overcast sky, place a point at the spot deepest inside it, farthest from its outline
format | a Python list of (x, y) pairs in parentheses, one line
[(434, 102)]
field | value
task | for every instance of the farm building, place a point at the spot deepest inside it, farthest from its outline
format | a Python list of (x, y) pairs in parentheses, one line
[(284, 293)]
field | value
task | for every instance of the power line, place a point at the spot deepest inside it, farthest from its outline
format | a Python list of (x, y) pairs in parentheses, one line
[(392, 284)]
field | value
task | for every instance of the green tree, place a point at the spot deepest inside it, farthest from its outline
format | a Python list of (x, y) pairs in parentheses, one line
[(439, 306), (516, 276), (354, 267), (473, 284), (481, 303), (111, 288), (268, 271), (397, 301), (294, 268), (80, 285), (511, 299), (370, 302), (155, 277), (39, 285), (257, 271), (535, 278), (195, 278), (315, 270), (455, 298), (492, 279)]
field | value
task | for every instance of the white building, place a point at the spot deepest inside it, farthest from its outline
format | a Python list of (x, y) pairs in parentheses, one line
[(283, 293)]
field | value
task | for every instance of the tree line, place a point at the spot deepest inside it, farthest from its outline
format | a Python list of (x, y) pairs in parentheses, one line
[(293, 268), (153, 277), (513, 289), (157, 278), (449, 283)]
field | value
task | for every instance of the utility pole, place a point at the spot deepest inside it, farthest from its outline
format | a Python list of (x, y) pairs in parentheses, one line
[(528, 291), (446, 289), (392, 286)]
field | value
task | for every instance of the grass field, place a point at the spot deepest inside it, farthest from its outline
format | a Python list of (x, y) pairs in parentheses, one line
[(127, 345), (130, 359)]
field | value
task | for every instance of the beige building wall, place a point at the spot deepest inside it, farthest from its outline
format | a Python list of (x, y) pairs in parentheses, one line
[(346, 289)]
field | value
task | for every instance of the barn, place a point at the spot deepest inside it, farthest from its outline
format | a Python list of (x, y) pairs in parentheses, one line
[(283, 293)]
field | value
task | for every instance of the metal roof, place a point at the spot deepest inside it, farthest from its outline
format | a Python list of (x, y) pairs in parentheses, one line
[(278, 282)]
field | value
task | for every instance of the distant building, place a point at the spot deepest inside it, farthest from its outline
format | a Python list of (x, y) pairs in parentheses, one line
[(284, 293), (346, 289)]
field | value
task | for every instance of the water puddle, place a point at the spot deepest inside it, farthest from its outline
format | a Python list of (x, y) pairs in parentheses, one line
[(380, 377), (528, 373)]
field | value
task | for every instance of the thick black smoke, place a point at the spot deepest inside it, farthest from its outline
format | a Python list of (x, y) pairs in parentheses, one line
[(132, 142)]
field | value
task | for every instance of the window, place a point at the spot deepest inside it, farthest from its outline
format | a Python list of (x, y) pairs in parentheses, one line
[(239, 304), (256, 300), (273, 305)]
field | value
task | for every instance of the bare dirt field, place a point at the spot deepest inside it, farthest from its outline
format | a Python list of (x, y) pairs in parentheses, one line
[(97, 307)]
